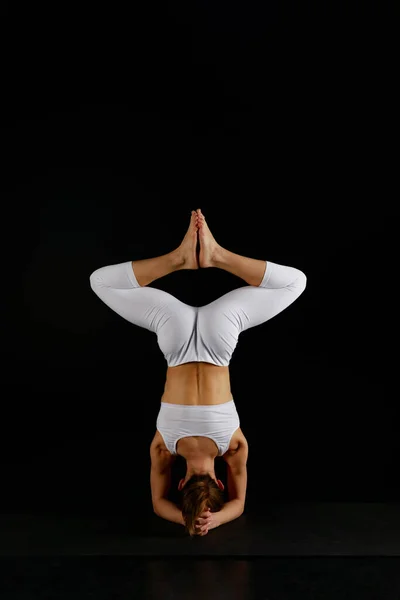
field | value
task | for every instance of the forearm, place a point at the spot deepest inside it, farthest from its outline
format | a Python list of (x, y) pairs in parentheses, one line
[(169, 511), (230, 511)]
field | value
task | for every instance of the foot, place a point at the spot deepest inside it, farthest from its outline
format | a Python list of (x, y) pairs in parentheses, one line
[(187, 251), (209, 248)]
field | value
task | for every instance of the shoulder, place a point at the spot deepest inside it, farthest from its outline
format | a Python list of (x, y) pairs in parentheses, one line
[(157, 442), (160, 456), (241, 441), (240, 453)]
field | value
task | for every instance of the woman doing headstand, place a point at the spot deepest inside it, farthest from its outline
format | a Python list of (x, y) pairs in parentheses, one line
[(198, 418)]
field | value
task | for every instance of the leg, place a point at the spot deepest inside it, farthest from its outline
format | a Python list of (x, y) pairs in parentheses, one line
[(251, 270), (271, 289), (150, 308), (184, 257), (155, 310), (122, 286), (150, 269), (221, 322)]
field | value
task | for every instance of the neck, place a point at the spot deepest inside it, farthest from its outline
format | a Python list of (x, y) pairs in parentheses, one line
[(200, 466)]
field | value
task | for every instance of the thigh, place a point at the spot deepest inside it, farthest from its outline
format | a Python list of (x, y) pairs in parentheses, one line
[(221, 322), (219, 325), (246, 307), (146, 307)]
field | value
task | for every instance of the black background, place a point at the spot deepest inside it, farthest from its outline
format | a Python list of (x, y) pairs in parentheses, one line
[(278, 121)]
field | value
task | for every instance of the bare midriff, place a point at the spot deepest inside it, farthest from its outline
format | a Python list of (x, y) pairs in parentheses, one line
[(197, 383)]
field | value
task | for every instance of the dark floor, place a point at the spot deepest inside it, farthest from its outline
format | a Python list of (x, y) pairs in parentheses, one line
[(323, 529), (175, 579), (308, 550)]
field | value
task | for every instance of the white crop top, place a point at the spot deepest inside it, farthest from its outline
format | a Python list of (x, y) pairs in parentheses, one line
[(217, 422)]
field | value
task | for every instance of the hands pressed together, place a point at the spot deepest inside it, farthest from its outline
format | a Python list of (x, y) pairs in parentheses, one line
[(206, 521)]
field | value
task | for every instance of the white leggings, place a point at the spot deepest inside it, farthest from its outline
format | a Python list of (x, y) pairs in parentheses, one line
[(197, 333)]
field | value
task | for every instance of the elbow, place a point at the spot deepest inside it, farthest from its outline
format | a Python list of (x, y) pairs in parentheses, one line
[(240, 511), (157, 510), (240, 506)]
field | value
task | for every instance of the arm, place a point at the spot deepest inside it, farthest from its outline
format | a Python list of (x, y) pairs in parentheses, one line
[(237, 484), (230, 511), (236, 470), (160, 483), (168, 510)]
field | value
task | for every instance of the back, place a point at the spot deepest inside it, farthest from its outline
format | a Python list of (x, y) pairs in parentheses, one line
[(197, 383)]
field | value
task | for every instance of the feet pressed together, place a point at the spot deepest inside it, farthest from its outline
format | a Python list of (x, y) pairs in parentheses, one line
[(211, 254), (198, 233)]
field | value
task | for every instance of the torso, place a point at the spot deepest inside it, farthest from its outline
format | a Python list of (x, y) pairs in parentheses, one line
[(198, 384)]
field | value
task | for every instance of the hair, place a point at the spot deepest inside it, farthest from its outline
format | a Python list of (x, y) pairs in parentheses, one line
[(199, 493)]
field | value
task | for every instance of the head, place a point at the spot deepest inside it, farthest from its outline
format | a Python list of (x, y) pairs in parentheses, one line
[(199, 492)]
